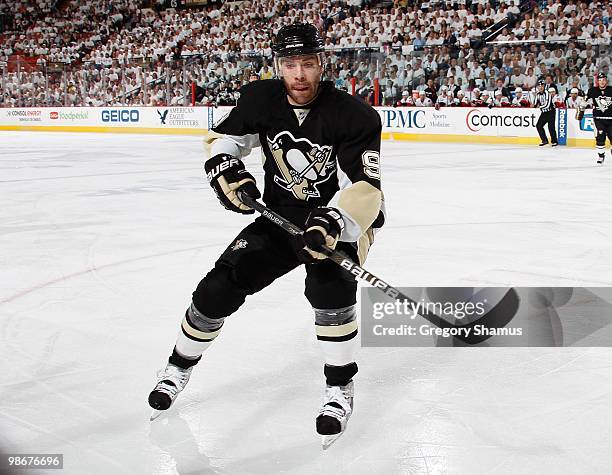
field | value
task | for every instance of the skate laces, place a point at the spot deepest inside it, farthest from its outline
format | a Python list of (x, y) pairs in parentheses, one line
[(167, 387), (172, 379), (336, 401)]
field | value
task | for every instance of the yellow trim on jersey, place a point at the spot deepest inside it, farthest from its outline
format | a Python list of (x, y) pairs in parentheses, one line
[(364, 244), (209, 140), (361, 201)]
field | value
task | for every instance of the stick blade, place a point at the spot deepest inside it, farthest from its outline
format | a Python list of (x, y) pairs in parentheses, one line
[(498, 317)]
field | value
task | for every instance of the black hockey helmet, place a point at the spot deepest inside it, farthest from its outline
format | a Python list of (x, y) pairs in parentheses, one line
[(541, 82), (297, 39), (602, 76)]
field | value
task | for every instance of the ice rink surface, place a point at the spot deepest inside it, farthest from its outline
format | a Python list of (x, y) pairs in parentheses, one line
[(103, 238)]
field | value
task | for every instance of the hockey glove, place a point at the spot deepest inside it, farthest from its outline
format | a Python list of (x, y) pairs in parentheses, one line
[(323, 227), (226, 174)]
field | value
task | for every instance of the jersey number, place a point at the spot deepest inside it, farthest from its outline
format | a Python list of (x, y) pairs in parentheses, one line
[(371, 164)]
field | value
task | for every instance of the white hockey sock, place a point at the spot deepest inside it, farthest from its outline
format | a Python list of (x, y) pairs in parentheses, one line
[(337, 334), (197, 333), (338, 353)]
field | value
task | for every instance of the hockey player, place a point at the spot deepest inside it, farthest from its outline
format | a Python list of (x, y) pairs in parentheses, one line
[(477, 98), (520, 100), (556, 98), (406, 100), (423, 100), (444, 100), (487, 100), (572, 101), (500, 100), (544, 100), (441, 94), (321, 170), (599, 97), (462, 100), (451, 100)]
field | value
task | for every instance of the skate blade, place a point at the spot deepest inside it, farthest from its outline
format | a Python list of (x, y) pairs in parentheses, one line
[(328, 440), (155, 414)]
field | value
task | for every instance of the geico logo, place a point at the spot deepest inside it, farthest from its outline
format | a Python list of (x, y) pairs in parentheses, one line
[(124, 115), (476, 120), (403, 118)]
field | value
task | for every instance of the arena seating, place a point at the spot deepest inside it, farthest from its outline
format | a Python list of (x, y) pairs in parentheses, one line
[(134, 52)]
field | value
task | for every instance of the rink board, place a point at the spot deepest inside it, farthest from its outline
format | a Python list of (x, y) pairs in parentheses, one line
[(467, 125)]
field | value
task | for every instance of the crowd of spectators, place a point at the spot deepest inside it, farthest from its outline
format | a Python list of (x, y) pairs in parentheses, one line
[(19, 15), (122, 52)]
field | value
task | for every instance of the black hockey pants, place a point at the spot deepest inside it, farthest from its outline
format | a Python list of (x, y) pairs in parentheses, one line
[(547, 118)]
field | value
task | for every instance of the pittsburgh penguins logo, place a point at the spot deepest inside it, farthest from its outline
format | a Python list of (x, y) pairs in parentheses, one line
[(239, 244), (302, 164), (603, 103)]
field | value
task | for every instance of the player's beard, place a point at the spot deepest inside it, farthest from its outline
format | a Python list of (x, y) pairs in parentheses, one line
[(302, 93)]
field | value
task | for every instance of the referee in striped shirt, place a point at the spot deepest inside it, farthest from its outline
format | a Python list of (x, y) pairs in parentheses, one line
[(544, 100)]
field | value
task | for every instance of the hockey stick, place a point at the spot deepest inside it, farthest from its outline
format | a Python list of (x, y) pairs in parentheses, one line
[(498, 317)]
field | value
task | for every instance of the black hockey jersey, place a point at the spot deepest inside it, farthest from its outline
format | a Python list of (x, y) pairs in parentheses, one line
[(601, 100), (323, 153)]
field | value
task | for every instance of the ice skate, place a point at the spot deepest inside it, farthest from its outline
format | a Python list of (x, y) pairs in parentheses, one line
[(335, 412), (171, 381), (600, 158)]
